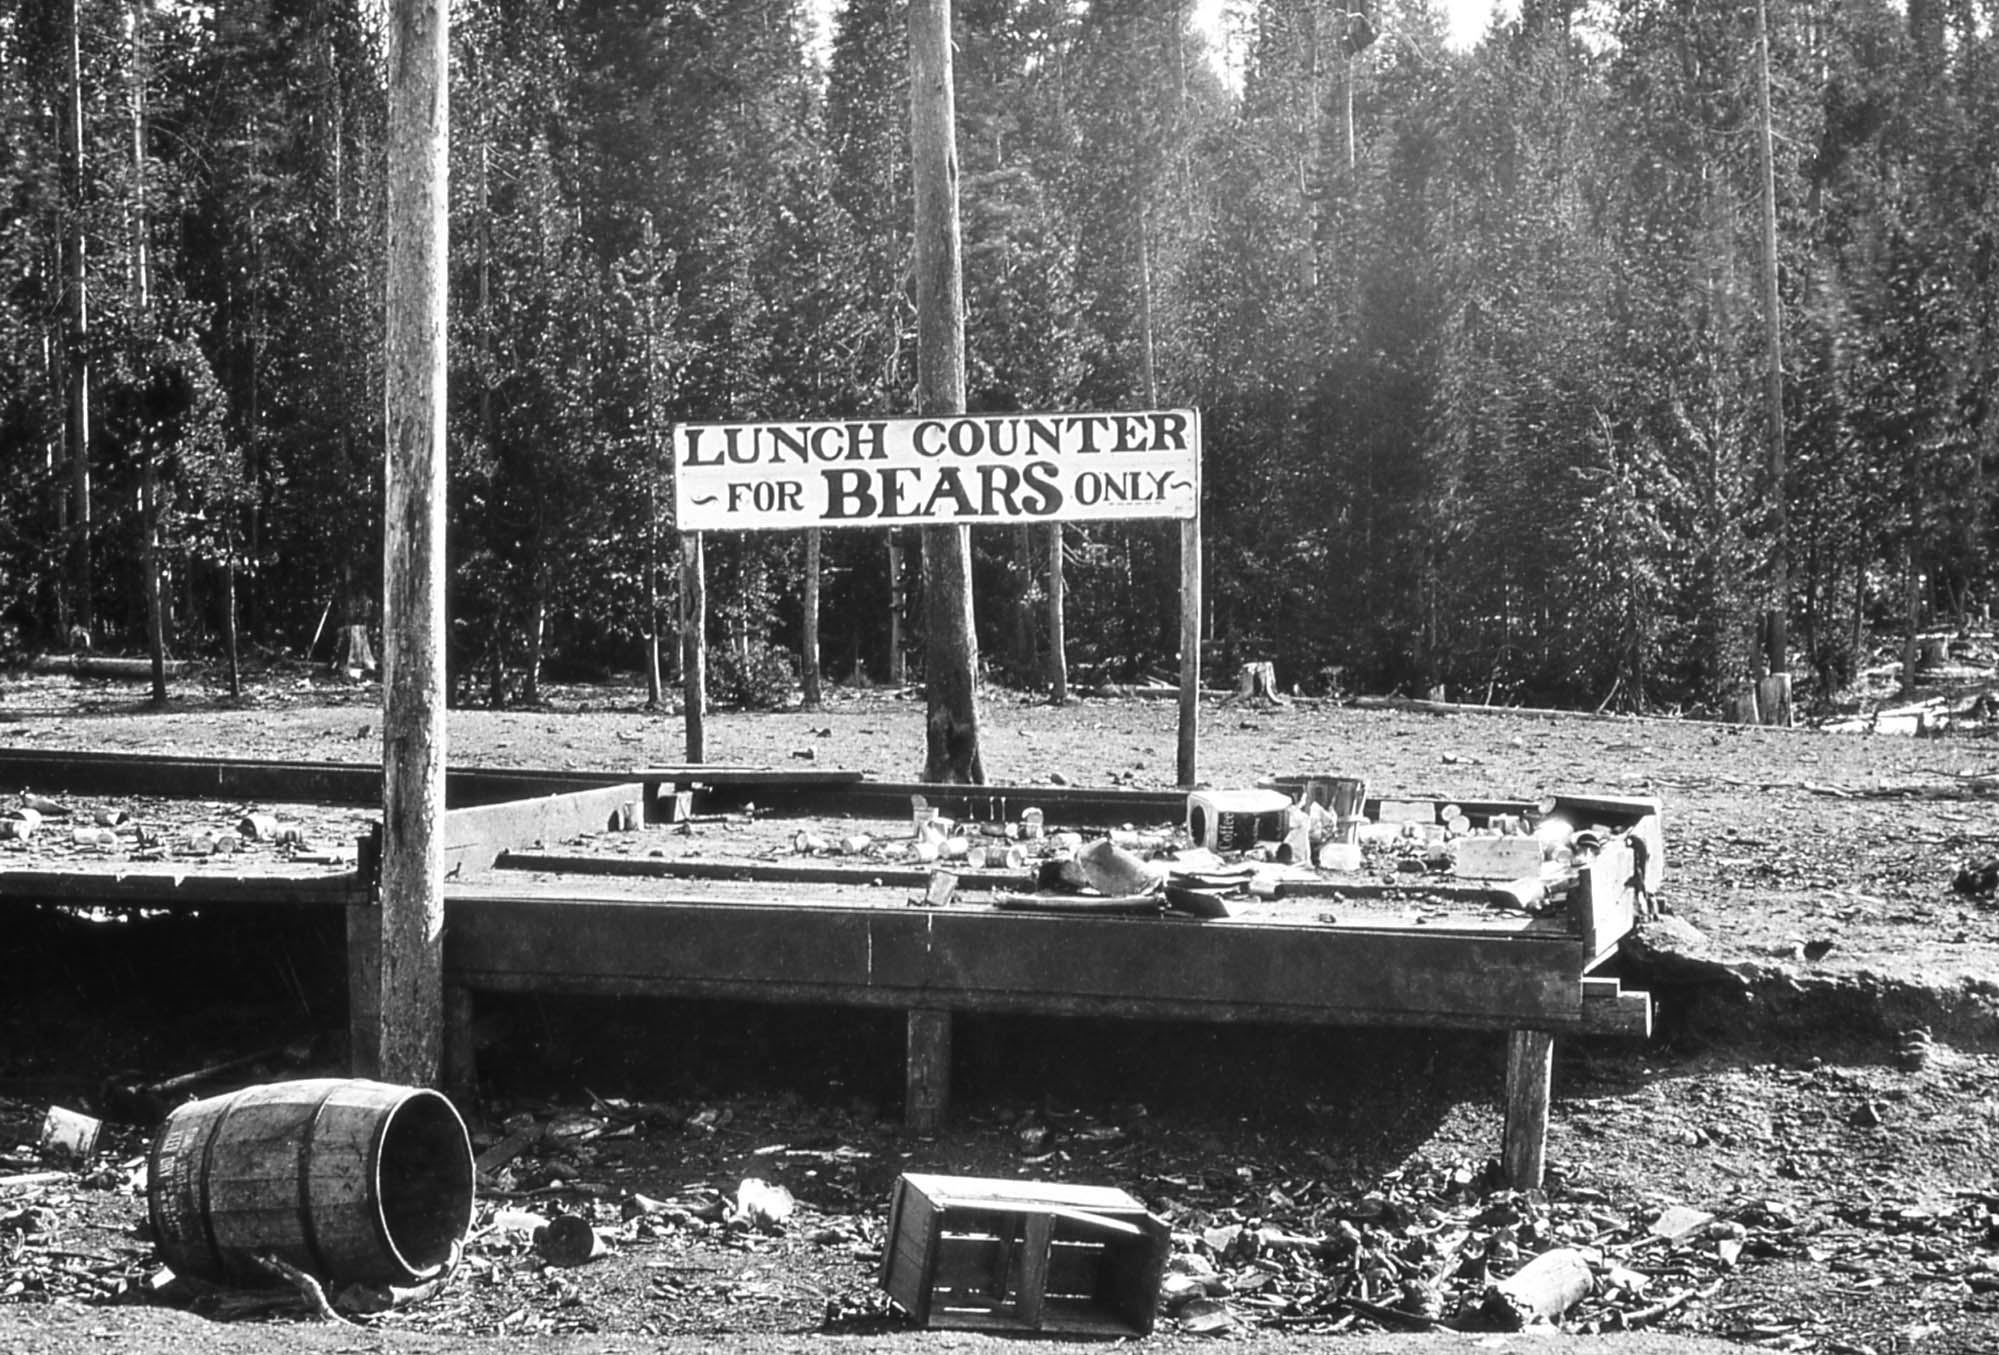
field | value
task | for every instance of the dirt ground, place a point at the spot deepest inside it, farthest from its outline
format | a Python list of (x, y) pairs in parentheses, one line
[(1777, 1168)]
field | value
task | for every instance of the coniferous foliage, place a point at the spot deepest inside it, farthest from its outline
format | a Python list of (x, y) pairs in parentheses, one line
[(1479, 335)]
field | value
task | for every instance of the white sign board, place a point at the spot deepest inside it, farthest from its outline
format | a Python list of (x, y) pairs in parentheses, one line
[(971, 468)]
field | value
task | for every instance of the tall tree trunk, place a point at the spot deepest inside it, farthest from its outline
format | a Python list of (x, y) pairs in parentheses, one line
[(1777, 626), (142, 329), (413, 693), (655, 684), (1023, 604), (76, 348), (156, 623), (897, 600), (537, 648), (230, 645), (951, 652)]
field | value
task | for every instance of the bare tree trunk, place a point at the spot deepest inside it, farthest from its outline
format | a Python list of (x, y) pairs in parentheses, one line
[(537, 640), (1912, 611), (1058, 628), (229, 638), (655, 685), (149, 512), (1024, 637), (142, 305), (897, 600), (77, 341), (1777, 626), (951, 653), (413, 693)]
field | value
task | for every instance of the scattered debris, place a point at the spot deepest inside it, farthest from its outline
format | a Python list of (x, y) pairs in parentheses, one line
[(568, 1240), (762, 1207)]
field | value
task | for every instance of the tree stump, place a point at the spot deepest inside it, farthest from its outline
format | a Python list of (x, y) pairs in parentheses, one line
[(1742, 706), (1258, 682), (352, 653), (1773, 700)]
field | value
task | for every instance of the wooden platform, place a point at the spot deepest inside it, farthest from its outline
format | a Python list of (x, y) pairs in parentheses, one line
[(528, 910)]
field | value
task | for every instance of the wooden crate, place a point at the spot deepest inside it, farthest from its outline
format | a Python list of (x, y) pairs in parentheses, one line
[(1023, 1256)]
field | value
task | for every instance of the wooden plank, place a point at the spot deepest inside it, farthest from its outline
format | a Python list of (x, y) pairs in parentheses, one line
[(706, 775), (475, 838), (283, 782), (166, 888), (978, 960), (1530, 1066), (89, 773), (1609, 1010), (1075, 805), (760, 872), (1603, 907)]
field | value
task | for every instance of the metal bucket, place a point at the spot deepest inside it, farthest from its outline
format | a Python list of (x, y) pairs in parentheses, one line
[(352, 1181)]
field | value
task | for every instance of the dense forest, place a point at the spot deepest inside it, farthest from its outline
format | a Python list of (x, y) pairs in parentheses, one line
[(1630, 352)]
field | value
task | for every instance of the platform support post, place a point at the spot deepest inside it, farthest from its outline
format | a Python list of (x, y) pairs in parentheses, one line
[(461, 1055), (927, 1094), (364, 989), (1530, 1069)]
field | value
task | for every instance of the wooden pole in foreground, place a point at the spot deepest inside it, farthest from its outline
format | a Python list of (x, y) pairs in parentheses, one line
[(413, 676), (951, 646)]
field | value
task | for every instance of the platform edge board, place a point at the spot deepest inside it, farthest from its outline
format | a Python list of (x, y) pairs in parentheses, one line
[(1571, 1022), (56, 772), (168, 889), (991, 960)]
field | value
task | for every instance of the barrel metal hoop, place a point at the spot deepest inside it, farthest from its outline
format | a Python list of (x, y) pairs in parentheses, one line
[(307, 1143), (207, 1174)]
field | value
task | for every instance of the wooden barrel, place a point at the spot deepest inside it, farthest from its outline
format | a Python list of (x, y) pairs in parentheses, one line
[(352, 1181)]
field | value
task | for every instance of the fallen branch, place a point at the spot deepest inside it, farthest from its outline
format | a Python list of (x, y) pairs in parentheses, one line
[(1382, 1313), (308, 1287), (1639, 1316)]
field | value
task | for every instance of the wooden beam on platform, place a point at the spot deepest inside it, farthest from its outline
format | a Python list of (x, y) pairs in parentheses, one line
[(476, 838)]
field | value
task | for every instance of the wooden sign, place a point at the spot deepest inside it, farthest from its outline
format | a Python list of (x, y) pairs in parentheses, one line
[(965, 469)]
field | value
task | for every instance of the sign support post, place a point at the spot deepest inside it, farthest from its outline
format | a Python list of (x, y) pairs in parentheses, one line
[(1190, 648), (694, 642)]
